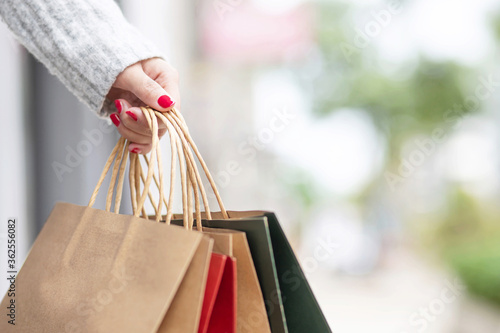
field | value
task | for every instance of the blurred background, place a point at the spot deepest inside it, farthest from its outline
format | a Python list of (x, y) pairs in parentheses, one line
[(370, 127)]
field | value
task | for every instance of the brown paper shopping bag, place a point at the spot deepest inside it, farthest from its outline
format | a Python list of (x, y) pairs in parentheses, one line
[(184, 313), (251, 310), (96, 271), (290, 302)]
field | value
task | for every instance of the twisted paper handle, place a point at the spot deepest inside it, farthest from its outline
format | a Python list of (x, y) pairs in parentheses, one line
[(191, 183), (182, 148)]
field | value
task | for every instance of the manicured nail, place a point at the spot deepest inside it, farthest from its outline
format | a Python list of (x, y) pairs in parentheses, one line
[(115, 119), (132, 115), (118, 106), (165, 101), (136, 151)]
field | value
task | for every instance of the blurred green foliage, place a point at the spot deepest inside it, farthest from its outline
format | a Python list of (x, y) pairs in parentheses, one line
[(478, 265), (468, 238), (411, 99)]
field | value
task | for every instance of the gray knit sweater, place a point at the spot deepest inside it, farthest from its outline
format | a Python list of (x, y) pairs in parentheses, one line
[(85, 43)]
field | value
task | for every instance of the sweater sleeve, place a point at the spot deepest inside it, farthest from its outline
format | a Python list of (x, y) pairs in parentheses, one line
[(85, 43)]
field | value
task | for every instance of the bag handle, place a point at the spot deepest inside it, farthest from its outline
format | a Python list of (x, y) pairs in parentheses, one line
[(183, 127), (136, 170), (192, 186), (182, 149), (136, 174), (118, 158), (193, 180)]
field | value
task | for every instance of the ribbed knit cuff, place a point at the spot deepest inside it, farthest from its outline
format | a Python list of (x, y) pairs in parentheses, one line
[(85, 43)]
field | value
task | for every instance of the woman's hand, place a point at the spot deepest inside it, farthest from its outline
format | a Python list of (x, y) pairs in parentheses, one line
[(151, 82)]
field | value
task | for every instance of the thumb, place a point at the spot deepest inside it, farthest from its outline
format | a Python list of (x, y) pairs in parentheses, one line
[(146, 89)]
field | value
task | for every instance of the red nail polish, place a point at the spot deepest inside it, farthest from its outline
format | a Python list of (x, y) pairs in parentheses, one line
[(115, 119), (118, 106), (165, 101), (132, 115), (136, 151)]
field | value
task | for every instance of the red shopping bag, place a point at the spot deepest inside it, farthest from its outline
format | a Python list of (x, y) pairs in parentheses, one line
[(218, 314)]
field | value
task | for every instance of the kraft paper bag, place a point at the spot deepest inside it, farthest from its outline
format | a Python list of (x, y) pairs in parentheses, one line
[(94, 271), (184, 313), (252, 316), (262, 259)]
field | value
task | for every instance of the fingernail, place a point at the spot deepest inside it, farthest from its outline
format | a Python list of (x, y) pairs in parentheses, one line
[(165, 101), (132, 115), (118, 106), (136, 151), (115, 119)]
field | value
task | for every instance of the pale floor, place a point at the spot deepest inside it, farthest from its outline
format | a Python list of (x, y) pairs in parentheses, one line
[(394, 299)]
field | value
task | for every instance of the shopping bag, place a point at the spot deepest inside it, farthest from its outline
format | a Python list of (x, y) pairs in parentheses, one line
[(291, 305), (184, 314), (251, 313), (91, 270), (219, 304), (185, 310), (251, 310)]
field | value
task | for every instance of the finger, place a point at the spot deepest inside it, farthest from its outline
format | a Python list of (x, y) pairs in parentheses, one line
[(122, 104), (134, 119), (145, 88), (166, 76), (139, 148), (128, 133)]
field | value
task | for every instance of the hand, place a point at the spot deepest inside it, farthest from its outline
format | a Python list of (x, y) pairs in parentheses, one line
[(151, 82)]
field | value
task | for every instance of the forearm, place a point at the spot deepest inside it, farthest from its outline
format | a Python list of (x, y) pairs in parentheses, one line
[(85, 43)]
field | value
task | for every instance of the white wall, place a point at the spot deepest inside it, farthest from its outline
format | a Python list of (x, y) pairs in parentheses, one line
[(15, 199)]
